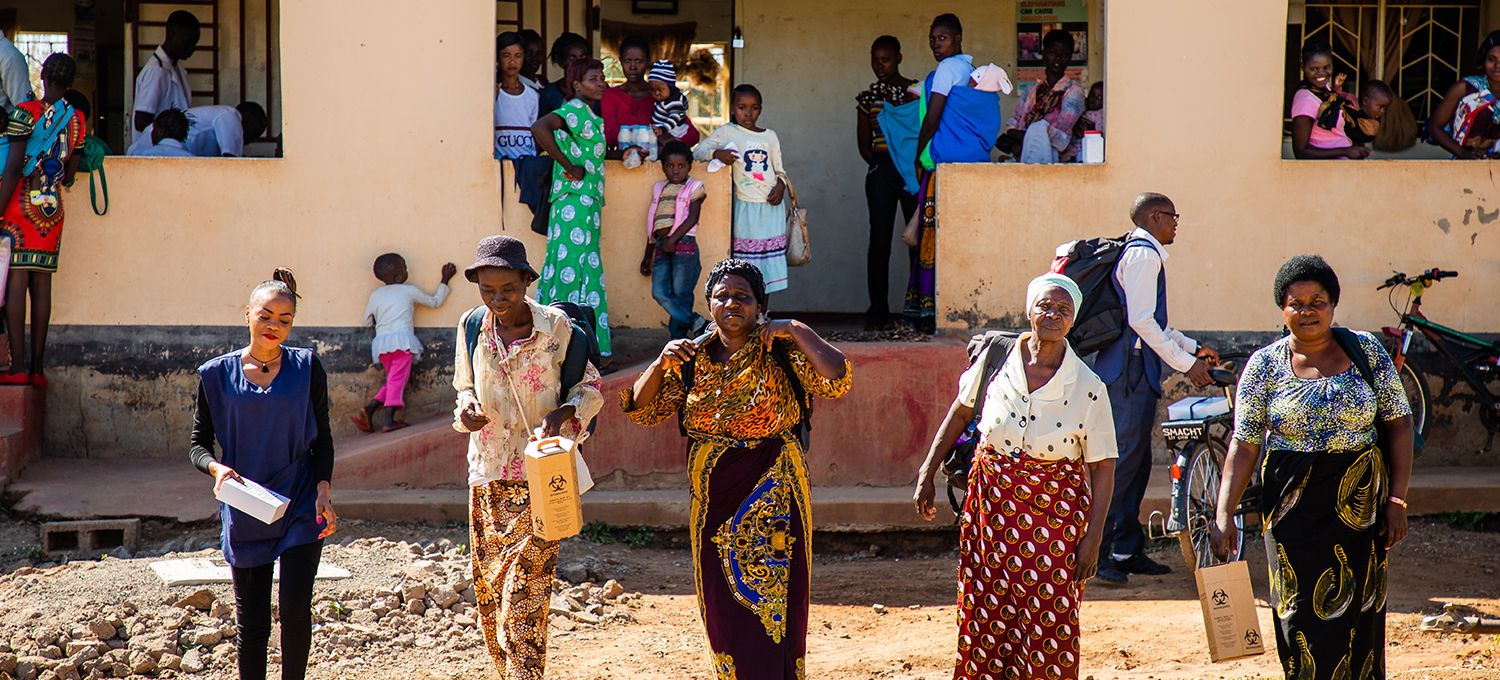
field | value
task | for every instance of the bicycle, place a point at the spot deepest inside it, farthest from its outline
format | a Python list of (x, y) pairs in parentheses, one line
[(1478, 361), (1199, 447)]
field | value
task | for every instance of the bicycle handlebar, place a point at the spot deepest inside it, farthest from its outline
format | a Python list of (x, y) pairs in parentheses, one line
[(1430, 276)]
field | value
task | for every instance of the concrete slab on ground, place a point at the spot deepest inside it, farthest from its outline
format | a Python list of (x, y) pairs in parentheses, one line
[(88, 489)]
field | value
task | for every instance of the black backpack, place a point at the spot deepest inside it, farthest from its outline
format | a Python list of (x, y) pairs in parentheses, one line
[(579, 356), (961, 457), (783, 358), (1100, 319)]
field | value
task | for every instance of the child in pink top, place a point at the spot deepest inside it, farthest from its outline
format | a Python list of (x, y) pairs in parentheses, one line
[(671, 258), (1317, 106)]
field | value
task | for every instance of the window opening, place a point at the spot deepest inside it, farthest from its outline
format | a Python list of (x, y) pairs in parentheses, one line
[(37, 47), (1419, 49)]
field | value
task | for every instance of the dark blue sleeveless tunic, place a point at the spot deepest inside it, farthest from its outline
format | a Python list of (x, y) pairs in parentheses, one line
[(266, 435)]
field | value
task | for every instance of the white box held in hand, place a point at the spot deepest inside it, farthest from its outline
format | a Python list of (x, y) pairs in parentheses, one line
[(253, 499)]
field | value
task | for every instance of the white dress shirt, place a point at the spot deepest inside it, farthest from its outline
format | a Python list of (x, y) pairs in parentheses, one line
[(391, 309), (15, 78), (212, 131), (1066, 419), (161, 85), (168, 147), (1137, 275)]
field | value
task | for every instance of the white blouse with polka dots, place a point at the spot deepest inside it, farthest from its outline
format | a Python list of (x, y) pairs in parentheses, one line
[(1067, 418)]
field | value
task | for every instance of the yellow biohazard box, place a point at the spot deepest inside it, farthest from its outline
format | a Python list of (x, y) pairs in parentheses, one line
[(1229, 611), (552, 475)]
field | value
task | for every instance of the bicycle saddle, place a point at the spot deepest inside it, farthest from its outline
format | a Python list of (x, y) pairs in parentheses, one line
[(1222, 378)]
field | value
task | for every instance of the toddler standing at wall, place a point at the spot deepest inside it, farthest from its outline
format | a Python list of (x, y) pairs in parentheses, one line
[(396, 345), (755, 153), (671, 258)]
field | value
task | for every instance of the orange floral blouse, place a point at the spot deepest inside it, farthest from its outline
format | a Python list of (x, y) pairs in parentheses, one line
[(745, 398)]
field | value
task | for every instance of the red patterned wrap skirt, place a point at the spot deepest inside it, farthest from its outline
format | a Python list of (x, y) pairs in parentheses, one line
[(1017, 600)]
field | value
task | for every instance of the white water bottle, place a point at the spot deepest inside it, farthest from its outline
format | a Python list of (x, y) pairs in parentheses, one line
[(1093, 147)]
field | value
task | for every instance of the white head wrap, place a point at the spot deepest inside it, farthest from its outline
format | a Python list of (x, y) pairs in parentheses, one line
[(1048, 281)]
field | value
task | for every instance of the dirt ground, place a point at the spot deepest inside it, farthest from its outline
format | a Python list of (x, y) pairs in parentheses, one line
[(1151, 629)]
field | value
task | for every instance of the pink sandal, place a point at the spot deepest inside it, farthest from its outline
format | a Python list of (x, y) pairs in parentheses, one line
[(362, 421)]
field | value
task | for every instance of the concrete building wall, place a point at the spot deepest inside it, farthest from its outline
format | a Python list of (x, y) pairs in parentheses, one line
[(159, 285), (1245, 211)]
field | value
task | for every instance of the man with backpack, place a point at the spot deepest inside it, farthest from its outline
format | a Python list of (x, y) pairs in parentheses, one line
[(1132, 367), (510, 375)]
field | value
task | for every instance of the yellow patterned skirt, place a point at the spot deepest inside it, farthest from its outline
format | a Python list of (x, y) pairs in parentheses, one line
[(1327, 561), (512, 578)]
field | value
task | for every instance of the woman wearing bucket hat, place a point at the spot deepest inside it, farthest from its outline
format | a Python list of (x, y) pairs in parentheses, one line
[(1029, 536), (509, 382)]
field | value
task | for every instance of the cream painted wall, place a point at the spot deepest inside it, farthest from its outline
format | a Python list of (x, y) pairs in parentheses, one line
[(810, 59), (186, 239), (1245, 211)]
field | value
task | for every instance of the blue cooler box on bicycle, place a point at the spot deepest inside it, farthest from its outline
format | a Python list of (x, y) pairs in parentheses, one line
[(1198, 408)]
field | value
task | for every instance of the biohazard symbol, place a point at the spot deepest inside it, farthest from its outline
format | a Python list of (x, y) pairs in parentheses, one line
[(1220, 597), (1252, 638), (558, 483)]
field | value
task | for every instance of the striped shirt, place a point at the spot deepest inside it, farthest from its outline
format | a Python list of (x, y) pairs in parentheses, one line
[(671, 115)]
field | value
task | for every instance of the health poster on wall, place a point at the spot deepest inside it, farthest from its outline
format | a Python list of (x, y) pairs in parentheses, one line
[(1036, 18)]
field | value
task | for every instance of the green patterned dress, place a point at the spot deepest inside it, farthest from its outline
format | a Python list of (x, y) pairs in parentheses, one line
[(573, 270)]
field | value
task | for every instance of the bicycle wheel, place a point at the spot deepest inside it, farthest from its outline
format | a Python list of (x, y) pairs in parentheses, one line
[(1205, 472), (1415, 384)]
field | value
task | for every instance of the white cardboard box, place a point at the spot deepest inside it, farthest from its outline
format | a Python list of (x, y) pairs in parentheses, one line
[(1195, 408), (253, 499)]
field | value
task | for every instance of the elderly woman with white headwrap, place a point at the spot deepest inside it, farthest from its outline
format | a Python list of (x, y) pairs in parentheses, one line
[(1030, 535)]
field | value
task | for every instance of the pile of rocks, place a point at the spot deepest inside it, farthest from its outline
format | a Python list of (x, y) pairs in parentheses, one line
[(425, 610), (192, 636), (590, 605)]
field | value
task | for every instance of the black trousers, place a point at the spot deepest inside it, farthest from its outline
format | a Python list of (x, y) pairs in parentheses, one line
[(252, 600), (884, 191), (1132, 402)]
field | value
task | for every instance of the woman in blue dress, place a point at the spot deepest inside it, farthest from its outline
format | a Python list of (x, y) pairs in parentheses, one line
[(267, 404)]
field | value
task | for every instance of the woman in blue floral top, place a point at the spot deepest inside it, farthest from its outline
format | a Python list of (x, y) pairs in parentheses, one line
[(1327, 407)]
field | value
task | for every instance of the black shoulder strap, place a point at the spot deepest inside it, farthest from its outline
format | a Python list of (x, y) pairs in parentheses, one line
[(783, 359), (999, 350), (687, 380), (1349, 342), (473, 322), (575, 365)]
